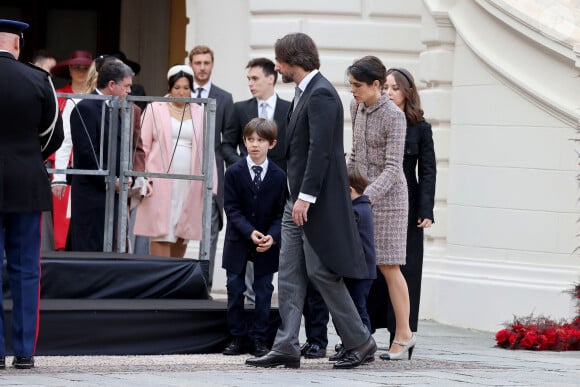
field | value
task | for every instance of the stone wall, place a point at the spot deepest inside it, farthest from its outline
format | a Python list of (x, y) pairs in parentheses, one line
[(501, 91)]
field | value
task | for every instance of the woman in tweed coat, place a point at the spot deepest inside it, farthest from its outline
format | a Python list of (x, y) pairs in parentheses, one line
[(378, 145)]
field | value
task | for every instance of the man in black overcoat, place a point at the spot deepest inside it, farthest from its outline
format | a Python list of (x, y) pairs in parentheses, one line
[(88, 124), (320, 241)]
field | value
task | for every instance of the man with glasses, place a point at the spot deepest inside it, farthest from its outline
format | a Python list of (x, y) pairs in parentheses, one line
[(88, 193)]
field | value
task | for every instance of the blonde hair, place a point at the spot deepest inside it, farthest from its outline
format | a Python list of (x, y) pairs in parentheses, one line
[(93, 74), (91, 82), (200, 50)]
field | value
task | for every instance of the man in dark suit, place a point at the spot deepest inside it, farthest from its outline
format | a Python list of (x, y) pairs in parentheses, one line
[(31, 130), (201, 60), (88, 193), (319, 236), (265, 103)]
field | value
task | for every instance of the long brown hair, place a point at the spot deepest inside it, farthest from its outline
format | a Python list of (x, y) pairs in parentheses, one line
[(413, 111)]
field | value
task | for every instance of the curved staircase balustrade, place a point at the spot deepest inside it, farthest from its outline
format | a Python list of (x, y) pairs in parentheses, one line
[(538, 60)]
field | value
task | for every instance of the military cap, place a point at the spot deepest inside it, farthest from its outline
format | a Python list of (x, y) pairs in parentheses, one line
[(12, 26)]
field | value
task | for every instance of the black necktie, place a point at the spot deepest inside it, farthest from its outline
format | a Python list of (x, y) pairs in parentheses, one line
[(257, 175), (199, 90)]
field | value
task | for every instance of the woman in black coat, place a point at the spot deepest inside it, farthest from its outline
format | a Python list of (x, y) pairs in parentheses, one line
[(419, 166)]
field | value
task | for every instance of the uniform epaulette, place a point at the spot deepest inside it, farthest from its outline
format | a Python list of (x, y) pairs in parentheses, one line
[(37, 68)]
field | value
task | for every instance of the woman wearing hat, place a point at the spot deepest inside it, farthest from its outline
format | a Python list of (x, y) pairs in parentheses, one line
[(76, 69), (172, 134)]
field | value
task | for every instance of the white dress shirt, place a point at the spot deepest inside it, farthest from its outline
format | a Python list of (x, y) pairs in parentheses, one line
[(264, 166), (270, 106), (303, 85), (204, 92)]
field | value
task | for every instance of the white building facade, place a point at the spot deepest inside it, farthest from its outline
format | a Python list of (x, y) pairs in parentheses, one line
[(500, 84)]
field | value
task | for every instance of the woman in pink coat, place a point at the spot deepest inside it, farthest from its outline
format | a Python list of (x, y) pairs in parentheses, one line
[(172, 135)]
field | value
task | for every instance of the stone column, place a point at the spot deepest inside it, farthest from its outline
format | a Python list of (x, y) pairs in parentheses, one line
[(436, 75)]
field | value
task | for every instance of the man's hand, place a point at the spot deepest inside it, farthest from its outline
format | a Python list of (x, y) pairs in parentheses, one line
[(58, 190), (144, 185), (118, 183), (148, 188), (300, 212)]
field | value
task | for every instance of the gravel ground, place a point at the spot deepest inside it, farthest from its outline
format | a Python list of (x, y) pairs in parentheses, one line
[(444, 356)]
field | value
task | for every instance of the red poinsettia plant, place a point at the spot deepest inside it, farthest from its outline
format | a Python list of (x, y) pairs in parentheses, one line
[(542, 333)]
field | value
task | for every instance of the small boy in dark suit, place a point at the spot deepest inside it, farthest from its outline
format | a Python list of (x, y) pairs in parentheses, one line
[(359, 288), (254, 189)]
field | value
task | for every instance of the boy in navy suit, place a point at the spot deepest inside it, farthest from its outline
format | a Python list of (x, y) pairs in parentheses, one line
[(359, 288), (254, 189)]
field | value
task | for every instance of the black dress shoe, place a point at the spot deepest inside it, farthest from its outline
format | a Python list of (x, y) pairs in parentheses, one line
[(274, 359), (234, 348), (339, 355), (2, 363), (359, 355), (304, 348), (23, 362), (260, 348), (314, 352)]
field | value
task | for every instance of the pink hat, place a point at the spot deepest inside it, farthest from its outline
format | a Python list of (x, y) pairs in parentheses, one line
[(79, 57)]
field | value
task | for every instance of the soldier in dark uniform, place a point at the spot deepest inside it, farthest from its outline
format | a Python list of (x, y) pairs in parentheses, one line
[(31, 129)]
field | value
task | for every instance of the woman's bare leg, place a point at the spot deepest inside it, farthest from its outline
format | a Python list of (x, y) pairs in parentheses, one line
[(399, 294)]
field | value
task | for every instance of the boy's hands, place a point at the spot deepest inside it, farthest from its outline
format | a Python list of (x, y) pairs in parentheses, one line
[(256, 237), (264, 242)]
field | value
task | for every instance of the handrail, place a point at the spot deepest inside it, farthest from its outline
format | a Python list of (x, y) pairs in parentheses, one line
[(123, 110)]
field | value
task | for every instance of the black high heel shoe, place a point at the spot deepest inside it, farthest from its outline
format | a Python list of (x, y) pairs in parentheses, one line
[(407, 350)]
